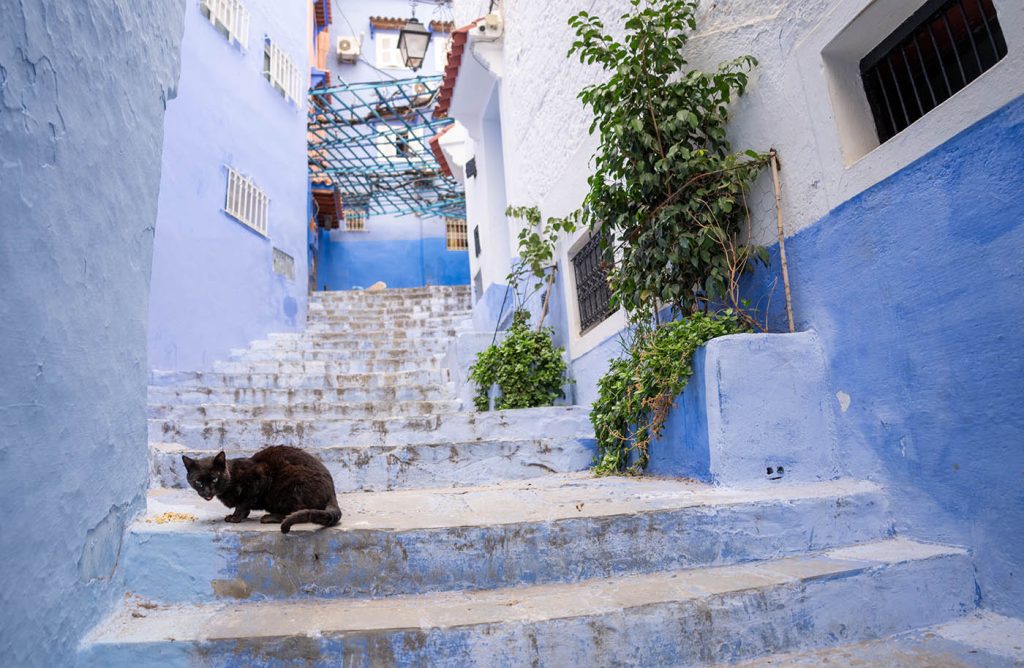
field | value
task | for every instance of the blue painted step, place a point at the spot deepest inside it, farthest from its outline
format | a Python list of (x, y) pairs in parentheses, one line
[(674, 618), (553, 529)]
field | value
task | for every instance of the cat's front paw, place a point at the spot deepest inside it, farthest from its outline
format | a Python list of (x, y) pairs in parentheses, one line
[(233, 519)]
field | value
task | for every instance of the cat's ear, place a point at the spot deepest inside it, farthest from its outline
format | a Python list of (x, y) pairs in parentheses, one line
[(220, 460), (188, 461)]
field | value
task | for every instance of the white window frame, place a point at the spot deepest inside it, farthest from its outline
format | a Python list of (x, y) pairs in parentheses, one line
[(283, 74), (456, 234), (851, 157), (246, 202), (389, 56), (229, 17), (355, 220)]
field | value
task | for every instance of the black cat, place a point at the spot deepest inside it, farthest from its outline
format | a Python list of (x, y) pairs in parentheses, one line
[(291, 485)]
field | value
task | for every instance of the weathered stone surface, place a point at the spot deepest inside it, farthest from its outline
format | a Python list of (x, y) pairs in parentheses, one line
[(552, 529), (689, 617), (477, 538)]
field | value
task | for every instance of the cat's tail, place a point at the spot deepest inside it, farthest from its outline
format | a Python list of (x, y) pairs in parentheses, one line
[(328, 517)]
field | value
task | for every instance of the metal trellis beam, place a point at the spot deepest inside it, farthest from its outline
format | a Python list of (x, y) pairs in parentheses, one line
[(372, 139)]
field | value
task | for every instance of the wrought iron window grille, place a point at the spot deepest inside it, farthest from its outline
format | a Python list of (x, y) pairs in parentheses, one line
[(593, 295), (935, 53)]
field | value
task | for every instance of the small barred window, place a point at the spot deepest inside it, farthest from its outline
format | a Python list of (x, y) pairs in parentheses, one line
[(456, 234)]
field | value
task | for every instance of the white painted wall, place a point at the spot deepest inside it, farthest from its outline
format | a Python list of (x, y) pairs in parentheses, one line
[(788, 106)]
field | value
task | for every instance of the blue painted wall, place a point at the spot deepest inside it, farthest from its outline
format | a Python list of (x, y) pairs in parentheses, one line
[(213, 283), (915, 287), (916, 290), (403, 251), (353, 260), (83, 87)]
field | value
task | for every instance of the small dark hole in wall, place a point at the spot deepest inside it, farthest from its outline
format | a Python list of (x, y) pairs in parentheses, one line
[(770, 470), (316, 556), (781, 470)]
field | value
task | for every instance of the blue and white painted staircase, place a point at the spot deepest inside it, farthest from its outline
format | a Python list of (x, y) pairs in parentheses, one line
[(479, 538)]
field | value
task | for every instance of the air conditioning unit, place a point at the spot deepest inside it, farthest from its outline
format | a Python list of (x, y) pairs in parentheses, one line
[(348, 49)]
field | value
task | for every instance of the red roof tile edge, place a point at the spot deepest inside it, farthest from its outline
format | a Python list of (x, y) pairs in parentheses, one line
[(435, 147), (451, 71)]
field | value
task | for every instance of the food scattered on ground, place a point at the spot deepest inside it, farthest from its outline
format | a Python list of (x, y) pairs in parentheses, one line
[(173, 517)]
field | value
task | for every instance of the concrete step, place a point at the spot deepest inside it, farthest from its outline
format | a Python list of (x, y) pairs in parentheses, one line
[(422, 303), (383, 337), (981, 639), (559, 528), (330, 355), (417, 347), (370, 319), (390, 310), (296, 380), (252, 434), (670, 618), (330, 368), (194, 394), (408, 294), (298, 410), (426, 330), (423, 465)]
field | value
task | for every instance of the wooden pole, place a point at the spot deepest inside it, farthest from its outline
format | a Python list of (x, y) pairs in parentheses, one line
[(773, 157), (547, 297)]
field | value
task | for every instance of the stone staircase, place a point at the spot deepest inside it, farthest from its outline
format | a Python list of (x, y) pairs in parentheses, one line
[(479, 538)]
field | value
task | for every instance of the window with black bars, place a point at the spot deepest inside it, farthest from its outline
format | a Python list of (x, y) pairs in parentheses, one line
[(476, 240), (593, 296), (944, 46)]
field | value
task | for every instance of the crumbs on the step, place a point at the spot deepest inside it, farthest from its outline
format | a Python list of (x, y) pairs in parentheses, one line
[(164, 518)]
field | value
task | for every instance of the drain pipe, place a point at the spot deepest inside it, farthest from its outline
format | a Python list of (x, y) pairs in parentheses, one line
[(773, 158)]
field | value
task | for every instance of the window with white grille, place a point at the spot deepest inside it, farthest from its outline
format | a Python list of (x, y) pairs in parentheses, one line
[(456, 234), (230, 17), (388, 55), (245, 202), (280, 70), (355, 220)]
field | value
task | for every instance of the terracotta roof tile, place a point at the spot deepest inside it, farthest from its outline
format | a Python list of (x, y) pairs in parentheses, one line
[(451, 71), (323, 12), (435, 147), (392, 23)]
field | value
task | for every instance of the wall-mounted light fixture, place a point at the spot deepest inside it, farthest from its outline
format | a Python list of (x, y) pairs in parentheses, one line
[(413, 40)]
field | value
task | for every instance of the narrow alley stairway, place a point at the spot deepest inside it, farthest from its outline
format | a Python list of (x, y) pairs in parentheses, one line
[(480, 538)]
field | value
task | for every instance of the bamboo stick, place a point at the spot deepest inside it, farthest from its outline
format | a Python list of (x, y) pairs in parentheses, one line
[(547, 297), (773, 157)]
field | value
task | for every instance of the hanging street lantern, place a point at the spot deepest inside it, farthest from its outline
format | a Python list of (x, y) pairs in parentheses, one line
[(413, 41)]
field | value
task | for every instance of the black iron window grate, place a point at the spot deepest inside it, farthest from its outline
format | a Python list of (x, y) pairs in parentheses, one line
[(476, 240), (944, 46), (593, 295)]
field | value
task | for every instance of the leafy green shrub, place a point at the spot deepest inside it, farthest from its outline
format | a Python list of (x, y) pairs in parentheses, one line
[(640, 387), (666, 189), (526, 366)]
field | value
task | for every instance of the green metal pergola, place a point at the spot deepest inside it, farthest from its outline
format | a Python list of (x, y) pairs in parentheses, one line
[(373, 140)]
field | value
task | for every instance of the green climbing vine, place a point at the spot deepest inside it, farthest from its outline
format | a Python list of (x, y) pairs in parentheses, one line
[(668, 193), (634, 396)]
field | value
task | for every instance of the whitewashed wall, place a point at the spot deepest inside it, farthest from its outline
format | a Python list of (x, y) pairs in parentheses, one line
[(788, 106)]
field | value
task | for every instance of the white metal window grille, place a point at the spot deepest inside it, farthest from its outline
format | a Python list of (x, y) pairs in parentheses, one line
[(355, 220), (456, 234), (388, 55), (280, 70), (230, 17), (246, 203)]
